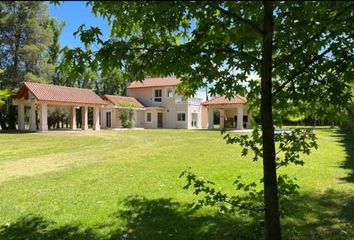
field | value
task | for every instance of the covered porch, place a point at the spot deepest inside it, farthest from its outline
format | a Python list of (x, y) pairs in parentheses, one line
[(231, 114), (36, 98)]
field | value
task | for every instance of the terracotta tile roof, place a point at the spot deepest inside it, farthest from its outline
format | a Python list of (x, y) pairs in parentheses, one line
[(155, 82), (222, 100), (55, 93), (113, 99)]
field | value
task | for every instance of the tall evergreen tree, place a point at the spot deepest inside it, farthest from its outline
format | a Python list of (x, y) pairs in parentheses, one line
[(25, 36)]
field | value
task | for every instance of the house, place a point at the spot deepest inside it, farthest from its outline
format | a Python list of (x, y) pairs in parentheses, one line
[(164, 107), (155, 103)]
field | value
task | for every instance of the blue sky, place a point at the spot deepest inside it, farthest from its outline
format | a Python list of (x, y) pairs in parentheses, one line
[(75, 14)]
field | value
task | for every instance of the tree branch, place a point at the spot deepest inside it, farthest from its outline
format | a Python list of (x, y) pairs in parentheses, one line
[(277, 62), (239, 18), (239, 52), (297, 73)]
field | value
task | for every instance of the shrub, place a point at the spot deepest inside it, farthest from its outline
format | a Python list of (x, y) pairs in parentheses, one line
[(126, 114)]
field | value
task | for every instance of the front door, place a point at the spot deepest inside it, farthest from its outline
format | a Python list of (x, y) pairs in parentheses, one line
[(159, 119), (109, 119), (194, 120)]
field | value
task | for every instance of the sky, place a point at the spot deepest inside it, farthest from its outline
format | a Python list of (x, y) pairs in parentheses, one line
[(75, 13)]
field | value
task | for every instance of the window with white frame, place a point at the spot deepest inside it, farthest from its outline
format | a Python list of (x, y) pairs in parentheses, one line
[(181, 117), (169, 92), (158, 95), (149, 117)]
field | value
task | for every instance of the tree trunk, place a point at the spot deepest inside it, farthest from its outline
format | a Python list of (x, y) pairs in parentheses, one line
[(272, 218)]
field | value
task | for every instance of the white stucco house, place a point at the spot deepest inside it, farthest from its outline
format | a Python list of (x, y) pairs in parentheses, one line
[(155, 103)]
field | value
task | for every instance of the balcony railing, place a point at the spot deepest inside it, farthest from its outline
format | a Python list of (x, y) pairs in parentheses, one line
[(182, 99)]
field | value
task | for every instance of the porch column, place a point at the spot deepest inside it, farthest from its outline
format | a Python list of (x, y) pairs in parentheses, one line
[(32, 117), (84, 118), (222, 118), (240, 117), (73, 118), (21, 116), (43, 117), (210, 118), (96, 119)]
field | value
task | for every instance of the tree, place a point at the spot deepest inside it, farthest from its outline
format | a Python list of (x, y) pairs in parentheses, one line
[(54, 49), (114, 82), (25, 35), (3, 93), (303, 52)]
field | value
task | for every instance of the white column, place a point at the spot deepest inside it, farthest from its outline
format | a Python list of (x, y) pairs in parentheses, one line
[(21, 116), (210, 118), (73, 118), (96, 119), (240, 117), (32, 117), (222, 118), (84, 118), (43, 118)]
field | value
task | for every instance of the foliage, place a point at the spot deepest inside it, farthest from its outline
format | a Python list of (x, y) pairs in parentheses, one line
[(54, 50), (126, 114), (114, 82), (26, 35), (302, 55), (3, 95), (57, 115)]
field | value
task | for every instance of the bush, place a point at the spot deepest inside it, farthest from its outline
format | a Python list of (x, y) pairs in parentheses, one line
[(126, 117)]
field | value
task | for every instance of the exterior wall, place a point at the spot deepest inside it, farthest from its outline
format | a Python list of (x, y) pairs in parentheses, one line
[(138, 118), (204, 117), (115, 121), (194, 109), (153, 123), (171, 108)]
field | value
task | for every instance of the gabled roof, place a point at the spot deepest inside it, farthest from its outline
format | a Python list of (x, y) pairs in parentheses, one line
[(222, 100), (55, 93), (122, 99), (155, 82)]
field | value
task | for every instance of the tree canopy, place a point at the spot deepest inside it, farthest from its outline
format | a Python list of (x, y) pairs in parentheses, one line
[(302, 51)]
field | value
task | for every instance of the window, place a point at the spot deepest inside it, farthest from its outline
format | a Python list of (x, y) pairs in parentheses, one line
[(148, 117), (181, 117), (169, 93), (158, 95)]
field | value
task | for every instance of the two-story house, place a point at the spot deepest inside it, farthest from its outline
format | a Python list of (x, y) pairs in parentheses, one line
[(158, 105)]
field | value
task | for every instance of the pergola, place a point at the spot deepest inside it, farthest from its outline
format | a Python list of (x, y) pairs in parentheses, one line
[(37, 95), (234, 108)]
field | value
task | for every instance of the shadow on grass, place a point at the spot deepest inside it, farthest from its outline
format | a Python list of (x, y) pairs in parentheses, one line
[(141, 219), (166, 219), (313, 216), (33, 227), (329, 215), (347, 140)]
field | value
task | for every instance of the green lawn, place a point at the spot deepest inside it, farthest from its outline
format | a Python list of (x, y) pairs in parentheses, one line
[(125, 185)]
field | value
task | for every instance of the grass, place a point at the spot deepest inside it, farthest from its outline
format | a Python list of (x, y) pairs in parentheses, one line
[(125, 185)]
